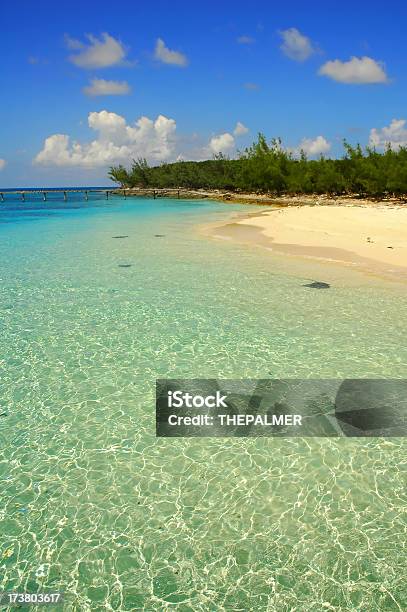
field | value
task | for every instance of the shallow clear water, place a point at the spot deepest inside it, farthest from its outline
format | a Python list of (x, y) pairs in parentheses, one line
[(94, 505)]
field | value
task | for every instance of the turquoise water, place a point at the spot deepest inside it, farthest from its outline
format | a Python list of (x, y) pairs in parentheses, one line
[(94, 505)]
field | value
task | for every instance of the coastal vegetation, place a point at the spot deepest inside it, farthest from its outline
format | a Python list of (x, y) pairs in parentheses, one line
[(267, 167)]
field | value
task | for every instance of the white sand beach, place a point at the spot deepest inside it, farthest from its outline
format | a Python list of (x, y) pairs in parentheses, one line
[(374, 238)]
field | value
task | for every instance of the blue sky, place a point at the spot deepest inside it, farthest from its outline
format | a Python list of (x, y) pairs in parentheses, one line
[(206, 76)]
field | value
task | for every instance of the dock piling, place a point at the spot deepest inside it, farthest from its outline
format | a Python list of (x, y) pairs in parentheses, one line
[(61, 193)]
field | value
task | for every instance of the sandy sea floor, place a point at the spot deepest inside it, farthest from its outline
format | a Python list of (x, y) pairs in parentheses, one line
[(92, 503)]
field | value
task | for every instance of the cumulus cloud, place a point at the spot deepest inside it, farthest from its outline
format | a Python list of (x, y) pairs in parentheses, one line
[(359, 70), (165, 55), (2, 164), (394, 135), (314, 146), (240, 129), (97, 53), (222, 143), (245, 40), (101, 87), (295, 45), (116, 142)]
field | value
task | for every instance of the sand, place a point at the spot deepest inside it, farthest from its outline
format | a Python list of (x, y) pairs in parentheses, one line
[(373, 238)]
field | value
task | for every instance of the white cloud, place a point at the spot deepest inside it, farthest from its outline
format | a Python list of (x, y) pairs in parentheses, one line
[(2, 164), (221, 143), (101, 87), (116, 142), (295, 45), (165, 55), (361, 70), (98, 53), (394, 135), (245, 40), (314, 146), (240, 129), (73, 43)]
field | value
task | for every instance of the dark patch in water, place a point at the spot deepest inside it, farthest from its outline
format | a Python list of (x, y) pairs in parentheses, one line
[(3, 414), (119, 236), (318, 285), (159, 235), (124, 265)]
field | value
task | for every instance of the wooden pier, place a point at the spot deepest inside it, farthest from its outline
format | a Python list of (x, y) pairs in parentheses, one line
[(13, 195), (22, 194)]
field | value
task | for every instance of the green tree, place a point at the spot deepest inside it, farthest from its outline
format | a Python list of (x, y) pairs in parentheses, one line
[(268, 167)]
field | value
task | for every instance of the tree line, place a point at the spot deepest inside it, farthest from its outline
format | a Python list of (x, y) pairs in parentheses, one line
[(267, 167)]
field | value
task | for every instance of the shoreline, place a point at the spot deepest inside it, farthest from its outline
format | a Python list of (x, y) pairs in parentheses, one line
[(266, 199), (369, 239), (365, 234)]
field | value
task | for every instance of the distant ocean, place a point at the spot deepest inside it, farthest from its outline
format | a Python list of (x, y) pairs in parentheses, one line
[(100, 298)]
